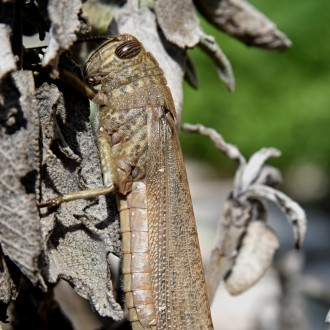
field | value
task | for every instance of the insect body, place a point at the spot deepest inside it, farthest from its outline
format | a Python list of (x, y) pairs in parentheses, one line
[(142, 162)]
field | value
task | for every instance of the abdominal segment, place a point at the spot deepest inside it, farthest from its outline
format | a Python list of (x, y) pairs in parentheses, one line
[(136, 265)]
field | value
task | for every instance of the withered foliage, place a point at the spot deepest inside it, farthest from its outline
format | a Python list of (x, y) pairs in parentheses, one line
[(47, 143)]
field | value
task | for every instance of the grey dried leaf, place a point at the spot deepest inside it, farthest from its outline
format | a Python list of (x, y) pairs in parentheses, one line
[(269, 176), (231, 229), (241, 20), (65, 22), (254, 259), (209, 45), (252, 170), (249, 193), (230, 150), (20, 233), (171, 58), (292, 210), (179, 22), (7, 63), (245, 206), (78, 235)]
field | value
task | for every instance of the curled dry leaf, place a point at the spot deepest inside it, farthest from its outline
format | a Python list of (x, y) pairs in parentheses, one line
[(295, 214), (241, 20), (245, 245), (249, 173), (209, 45), (262, 246), (230, 150), (258, 246)]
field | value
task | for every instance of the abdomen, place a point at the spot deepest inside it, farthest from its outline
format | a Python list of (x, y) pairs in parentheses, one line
[(136, 264)]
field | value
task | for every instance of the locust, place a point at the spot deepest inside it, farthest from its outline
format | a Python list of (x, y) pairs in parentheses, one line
[(142, 163)]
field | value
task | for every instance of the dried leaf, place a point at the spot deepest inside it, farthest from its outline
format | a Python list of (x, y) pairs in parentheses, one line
[(230, 150), (254, 257), (241, 20), (255, 165), (232, 227), (224, 69), (237, 238), (295, 214), (79, 235), (20, 233), (179, 22), (65, 22), (269, 176)]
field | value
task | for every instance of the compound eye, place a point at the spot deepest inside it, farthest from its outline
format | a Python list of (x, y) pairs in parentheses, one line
[(128, 49), (91, 81)]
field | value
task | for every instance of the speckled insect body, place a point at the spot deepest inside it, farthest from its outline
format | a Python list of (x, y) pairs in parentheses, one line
[(142, 162)]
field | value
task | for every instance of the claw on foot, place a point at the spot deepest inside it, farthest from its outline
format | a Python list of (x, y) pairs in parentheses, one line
[(50, 203)]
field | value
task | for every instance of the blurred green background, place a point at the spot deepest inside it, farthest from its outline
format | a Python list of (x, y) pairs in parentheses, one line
[(281, 99)]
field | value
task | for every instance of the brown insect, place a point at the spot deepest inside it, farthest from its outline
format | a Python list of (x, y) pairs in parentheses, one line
[(142, 163)]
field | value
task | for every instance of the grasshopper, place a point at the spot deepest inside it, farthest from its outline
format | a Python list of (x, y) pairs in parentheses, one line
[(142, 162)]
